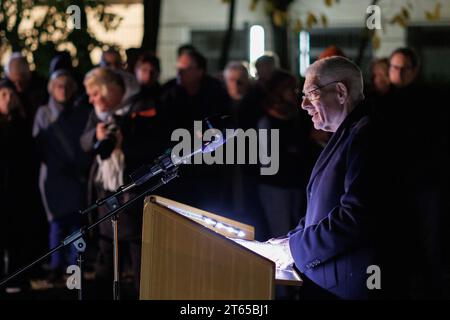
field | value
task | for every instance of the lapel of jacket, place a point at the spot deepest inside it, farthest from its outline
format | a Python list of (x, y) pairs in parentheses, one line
[(325, 155), (334, 142)]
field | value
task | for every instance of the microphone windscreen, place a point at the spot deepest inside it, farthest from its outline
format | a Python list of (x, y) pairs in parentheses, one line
[(218, 126)]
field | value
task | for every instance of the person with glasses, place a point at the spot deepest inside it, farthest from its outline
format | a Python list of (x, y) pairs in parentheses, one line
[(331, 246), (403, 67), (413, 125)]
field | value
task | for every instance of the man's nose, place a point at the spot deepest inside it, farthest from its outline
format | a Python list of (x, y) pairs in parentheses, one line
[(305, 103)]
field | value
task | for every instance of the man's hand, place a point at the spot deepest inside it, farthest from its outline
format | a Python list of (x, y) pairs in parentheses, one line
[(278, 240), (100, 132), (285, 260)]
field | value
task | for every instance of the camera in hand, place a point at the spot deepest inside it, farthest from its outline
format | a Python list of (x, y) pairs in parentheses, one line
[(105, 147)]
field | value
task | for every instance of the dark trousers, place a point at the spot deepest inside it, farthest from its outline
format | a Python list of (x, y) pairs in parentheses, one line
[(59, 228)]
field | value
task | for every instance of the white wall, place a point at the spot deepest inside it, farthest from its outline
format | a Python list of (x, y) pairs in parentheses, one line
[(351, 13), (180, 17)]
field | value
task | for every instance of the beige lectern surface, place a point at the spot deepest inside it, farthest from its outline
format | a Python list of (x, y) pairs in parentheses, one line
[(185, 256)]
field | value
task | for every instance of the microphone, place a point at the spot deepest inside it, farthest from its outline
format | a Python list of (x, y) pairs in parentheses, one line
[(167, 161), (217, 126)]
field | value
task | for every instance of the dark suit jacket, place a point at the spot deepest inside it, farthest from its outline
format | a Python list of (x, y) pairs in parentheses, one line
[(331, 244)]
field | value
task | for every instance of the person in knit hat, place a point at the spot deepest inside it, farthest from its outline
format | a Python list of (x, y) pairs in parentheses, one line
[(331, 51)]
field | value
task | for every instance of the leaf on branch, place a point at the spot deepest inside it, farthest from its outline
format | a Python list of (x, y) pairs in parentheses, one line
[(405, 13), (437, 10), (436, 15), (269, 7), (298, 25), (324, 20), (279, 18), (253, 5), (109, 21), (311, 20), (376, 42), (27, 14), (400, 20), (328, 3)]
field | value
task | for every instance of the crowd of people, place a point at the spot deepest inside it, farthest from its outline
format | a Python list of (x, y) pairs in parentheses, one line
[(76, 138)]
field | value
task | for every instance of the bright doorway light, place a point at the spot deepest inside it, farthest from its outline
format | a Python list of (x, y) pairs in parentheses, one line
[(256, 46), (304, 56)]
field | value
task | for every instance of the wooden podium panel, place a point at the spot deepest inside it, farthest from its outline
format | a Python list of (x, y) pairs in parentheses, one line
[(187, 254), (184, 259)]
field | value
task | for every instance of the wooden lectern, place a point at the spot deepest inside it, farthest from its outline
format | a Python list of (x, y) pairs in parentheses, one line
[(187, 255)]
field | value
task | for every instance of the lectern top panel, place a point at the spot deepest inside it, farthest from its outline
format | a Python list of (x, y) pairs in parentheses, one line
[(222, 225)]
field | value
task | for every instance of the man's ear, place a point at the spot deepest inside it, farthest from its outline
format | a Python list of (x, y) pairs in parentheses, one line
[(342, 92)]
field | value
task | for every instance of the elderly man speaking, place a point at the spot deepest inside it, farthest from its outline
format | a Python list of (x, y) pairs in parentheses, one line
[(331, 245)]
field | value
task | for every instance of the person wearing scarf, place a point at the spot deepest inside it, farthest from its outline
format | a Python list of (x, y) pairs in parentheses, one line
[(63, 165), (117, 135)]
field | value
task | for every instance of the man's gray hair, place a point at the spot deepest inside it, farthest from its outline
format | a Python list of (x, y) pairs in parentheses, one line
[(17, 63), (236, 65), (340, 69)]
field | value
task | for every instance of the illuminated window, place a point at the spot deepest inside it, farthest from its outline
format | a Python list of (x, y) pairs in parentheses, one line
[(304, 55), (256, 46)]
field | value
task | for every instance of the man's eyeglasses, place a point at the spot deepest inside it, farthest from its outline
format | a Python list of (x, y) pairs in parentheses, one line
[(315, 93), (401, 68)]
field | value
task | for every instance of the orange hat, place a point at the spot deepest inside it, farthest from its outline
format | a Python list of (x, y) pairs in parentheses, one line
[(331, 51)]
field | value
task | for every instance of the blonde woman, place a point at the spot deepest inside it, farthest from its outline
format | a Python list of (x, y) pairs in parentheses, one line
[(121, 135)]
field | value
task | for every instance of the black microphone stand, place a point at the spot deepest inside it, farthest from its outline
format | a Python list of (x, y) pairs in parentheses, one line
[(168, 175), (162, 164), (80, 245)]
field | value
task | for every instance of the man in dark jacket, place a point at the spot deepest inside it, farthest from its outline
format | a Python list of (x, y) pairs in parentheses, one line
[(20, 216), (332, 245), (193, 96), (29, 85), (411, 128)]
